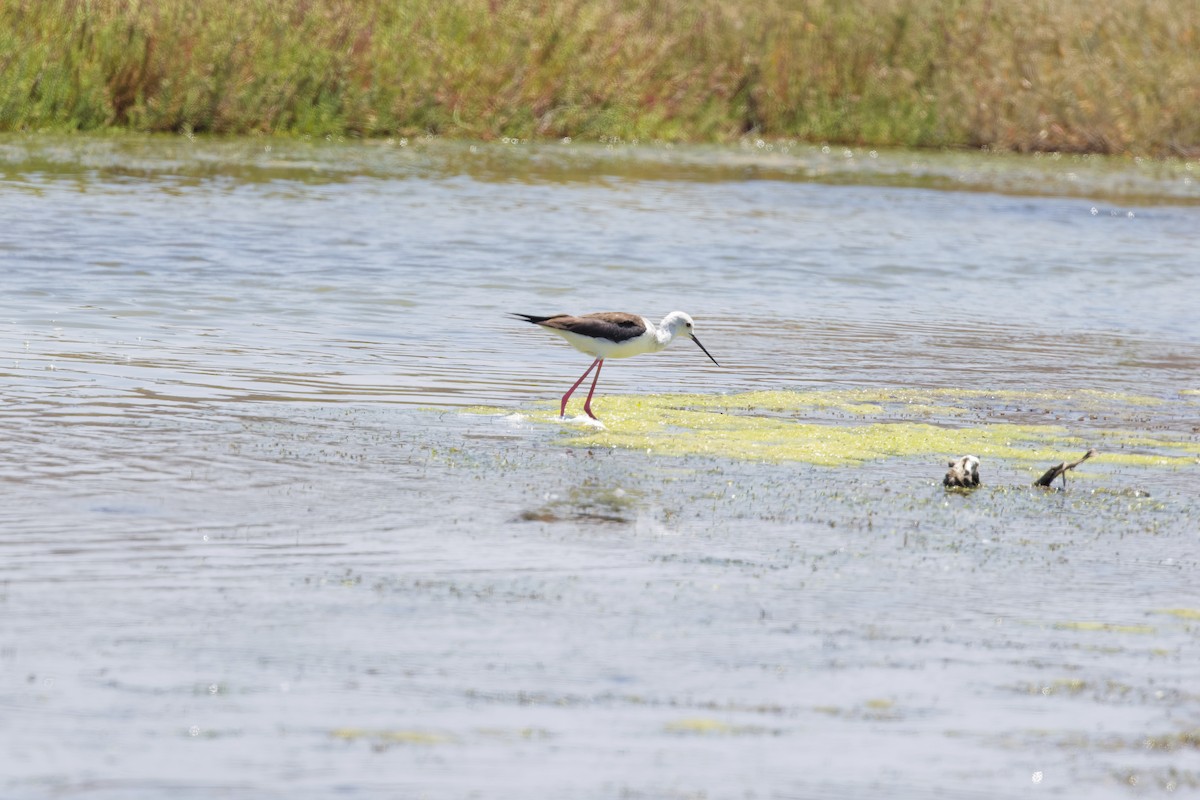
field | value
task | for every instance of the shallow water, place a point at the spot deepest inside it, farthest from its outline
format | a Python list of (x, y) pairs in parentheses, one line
[(253, 545)]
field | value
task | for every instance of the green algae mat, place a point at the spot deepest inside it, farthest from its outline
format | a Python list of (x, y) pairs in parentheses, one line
[(850, 427)]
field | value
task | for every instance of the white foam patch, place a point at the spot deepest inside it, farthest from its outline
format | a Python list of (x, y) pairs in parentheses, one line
[(582, 419)]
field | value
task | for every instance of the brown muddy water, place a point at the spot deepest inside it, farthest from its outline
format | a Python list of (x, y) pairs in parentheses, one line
[(285, 516)]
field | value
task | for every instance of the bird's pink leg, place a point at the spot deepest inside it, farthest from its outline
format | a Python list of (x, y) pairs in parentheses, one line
[(587, 404), (562, 412)]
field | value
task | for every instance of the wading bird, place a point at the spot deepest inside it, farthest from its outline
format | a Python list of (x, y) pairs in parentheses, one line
[(613, 334)]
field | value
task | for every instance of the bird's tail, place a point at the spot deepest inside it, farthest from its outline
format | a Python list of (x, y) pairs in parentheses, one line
[(531, 318)]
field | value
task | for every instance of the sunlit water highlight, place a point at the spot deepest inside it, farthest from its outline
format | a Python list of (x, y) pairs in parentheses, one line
[(252, 546)]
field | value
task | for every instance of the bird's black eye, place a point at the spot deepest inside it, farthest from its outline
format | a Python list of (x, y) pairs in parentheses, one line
[(689, 324)]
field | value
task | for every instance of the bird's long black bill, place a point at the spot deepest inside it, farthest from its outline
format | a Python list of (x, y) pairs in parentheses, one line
[(705, 349)]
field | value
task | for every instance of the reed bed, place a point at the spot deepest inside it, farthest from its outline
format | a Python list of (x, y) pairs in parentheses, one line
[(1068, 75)]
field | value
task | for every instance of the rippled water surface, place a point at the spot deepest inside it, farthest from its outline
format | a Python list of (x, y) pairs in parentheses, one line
[(253, 544)]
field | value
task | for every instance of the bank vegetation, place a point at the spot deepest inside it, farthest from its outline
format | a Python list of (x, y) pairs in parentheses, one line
[(1068, 75)]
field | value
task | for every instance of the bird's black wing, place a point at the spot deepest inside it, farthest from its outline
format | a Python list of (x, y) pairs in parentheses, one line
[(615, 326)]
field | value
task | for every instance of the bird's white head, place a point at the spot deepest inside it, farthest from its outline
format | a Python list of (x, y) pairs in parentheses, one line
[(677, 323)]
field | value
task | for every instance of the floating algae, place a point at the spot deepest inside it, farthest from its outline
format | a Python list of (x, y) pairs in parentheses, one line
[(1181, 613), (383, 738), (699, 725), (1107, 627), (812, 427), (707, 726)]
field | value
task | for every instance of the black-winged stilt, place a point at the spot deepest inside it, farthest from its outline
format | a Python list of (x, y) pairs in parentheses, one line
[(614, 334)]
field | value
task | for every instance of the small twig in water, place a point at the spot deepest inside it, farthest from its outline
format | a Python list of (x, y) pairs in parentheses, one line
[(1061, 469)]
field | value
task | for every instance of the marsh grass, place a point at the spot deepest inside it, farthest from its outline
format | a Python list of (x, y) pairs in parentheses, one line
[(1021, 75)]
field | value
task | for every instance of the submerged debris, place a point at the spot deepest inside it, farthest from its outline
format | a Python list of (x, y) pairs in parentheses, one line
[(963, 472), (592, 501), (1061, 469)]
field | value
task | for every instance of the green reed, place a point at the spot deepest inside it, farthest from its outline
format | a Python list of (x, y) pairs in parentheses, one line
[(1022, 74)]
